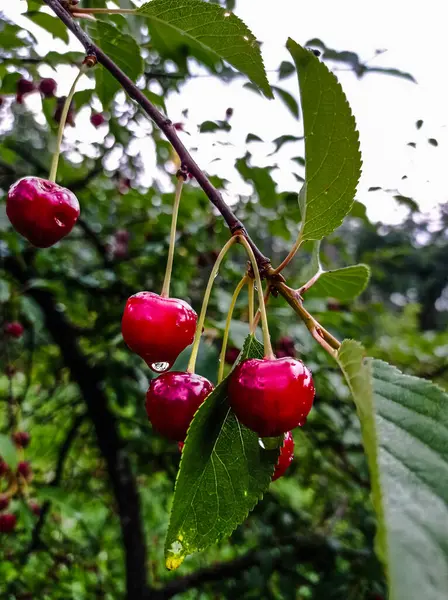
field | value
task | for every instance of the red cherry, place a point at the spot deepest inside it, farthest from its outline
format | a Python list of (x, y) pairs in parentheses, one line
[(14, 329), (231, 355), (156, 328), (21, 439), (48, 87), (42, 211), (97, 119), (4, 501), (24, 86), (122, 235), (8, 523), (271, 396), (286, 456), (285, 347), (172, 399), (35, 508), (58, 112), (24, 469)]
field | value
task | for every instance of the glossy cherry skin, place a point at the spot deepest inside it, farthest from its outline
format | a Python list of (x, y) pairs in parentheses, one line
[(4, 501), (171, 401), (8, 523), (286, 456), (14, 329), (271, 396), (42, 211), (156, 328)]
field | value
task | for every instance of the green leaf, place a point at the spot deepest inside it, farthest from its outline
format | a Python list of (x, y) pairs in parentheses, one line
[(286, 69), (342, 284), (404, 423), (213, 28), (8, 452), (123, 50), (213, 126), (285, 139), (333, 159), (223, 474), (61, 498), (264, 185), (289, 101), (51, 24)]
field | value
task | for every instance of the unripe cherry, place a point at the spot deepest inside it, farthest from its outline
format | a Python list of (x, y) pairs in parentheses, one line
[(286, 456), (172, 400), (158, 329), (271, 396), (41, 210)]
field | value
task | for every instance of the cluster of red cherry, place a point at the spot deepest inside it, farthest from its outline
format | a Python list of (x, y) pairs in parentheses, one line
[(270, 396), (15, 482), (47, 87)]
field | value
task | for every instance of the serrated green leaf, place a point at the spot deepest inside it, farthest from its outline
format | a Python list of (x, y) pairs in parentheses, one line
[(342, 284), (222, 475), (333, 159), (53, 25), (213, 28), (8, 452), (404, 422), (123, 50)]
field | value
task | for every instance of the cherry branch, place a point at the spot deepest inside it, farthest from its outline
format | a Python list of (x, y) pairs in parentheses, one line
[(275, 279), (162, 122)]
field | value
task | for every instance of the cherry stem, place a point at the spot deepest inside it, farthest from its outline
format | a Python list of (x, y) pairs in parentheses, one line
[(319, 333), (250, 291), (268, 353), (208, 290), (289, 257), (68, 101), (258, 315), (169, 263), (306, 286), (225, 339)]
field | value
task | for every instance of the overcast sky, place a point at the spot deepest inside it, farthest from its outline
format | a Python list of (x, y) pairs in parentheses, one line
[(386, 108)]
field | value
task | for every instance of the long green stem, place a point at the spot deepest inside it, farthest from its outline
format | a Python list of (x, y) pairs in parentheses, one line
[(250, 290), (169, 263), (68, 101), (264, 317), (290, 256), (201, 320), (225, 339)]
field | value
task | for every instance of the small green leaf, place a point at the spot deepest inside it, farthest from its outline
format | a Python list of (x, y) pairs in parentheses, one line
[(252, 137), (51, 24), (404, 422), (223, 474), (8, 452), (213, 28), (123, 50), (286, 69), (342, 284), (289, 101), (333, 159), (264, 185), (213, 126), (285, 139)]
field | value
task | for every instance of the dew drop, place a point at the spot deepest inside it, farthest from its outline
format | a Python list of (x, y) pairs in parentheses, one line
[(302, 422), (160, 367), (261, 443), (227, 14)]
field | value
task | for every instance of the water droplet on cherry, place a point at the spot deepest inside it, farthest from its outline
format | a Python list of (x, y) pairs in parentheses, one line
[(160, 367)]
